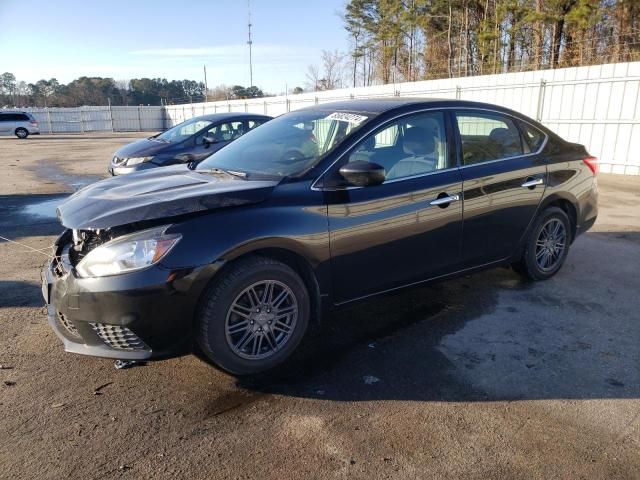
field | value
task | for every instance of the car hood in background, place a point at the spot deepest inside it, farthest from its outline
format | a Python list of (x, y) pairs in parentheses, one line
[(142, 148), (155, 194)]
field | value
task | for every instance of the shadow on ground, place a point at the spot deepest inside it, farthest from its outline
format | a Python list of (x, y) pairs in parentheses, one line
[(20, 294), (486, 337)]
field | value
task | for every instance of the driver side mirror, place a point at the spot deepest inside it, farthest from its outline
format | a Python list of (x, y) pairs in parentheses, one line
[(208, 140), (362, 173)]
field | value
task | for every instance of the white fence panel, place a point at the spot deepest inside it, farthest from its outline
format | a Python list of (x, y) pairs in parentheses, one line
[(595, 105)]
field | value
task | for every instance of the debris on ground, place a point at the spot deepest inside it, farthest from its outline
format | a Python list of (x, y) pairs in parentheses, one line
[(58, 405), (96, 391), (122, 364), (370, 379), (5, 367), (9, 383)]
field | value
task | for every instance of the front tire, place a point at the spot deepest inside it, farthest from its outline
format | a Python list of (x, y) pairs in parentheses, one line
[(254, 316), (21, 133), (547, 245)]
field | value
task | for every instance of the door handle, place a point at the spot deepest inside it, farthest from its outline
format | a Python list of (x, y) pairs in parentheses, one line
[(532, 183), (443, 201)]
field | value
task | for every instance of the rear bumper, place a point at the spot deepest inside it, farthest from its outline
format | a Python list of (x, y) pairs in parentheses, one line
[(137, 316), (588, 204)]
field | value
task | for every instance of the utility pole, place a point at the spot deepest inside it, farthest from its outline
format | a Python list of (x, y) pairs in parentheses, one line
[(249, 42), (206, 88)]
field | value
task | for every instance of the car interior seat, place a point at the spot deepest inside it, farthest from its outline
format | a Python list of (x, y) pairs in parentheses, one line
[(506, 141), (419, 143)]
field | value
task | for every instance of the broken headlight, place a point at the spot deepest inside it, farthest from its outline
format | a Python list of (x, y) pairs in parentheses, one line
[(127, 253)]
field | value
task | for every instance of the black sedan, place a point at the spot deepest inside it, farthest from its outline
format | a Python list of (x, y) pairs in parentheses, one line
[(189, 141), (318, 208)]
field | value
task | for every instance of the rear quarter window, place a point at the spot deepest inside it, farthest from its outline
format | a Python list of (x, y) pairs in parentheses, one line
[(533, 137)]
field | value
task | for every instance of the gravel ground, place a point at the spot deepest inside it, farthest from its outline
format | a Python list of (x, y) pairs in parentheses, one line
[(483, 377)]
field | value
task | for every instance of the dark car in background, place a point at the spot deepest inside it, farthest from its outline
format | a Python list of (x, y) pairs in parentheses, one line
[(189, 141), (318, 208)]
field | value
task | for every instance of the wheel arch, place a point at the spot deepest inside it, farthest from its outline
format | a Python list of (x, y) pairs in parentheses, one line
[(566, 203), (563, 200), (287, 252)]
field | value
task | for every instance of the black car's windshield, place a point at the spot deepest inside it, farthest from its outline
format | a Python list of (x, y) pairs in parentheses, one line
[(288, 144), (183, 130)]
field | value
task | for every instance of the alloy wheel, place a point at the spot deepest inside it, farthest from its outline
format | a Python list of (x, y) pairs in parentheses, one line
[(550, 244), (261, 320)]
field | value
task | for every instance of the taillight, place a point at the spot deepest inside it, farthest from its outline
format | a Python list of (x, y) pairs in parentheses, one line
[(33, 122), (592, 163)]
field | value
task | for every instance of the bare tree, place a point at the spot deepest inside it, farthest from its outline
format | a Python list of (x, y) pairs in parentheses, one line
[(333, 69), (313, 78)]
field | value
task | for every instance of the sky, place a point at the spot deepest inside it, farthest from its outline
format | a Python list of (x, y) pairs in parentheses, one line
[(66, 39)]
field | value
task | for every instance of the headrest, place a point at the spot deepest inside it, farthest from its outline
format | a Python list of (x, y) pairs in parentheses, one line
[(418, 141), (504, 136)]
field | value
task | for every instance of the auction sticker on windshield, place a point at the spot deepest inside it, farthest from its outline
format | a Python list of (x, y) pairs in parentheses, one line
[(347, 117)]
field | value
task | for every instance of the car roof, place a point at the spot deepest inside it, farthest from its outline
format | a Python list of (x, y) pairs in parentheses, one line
[(381, 105), (216, 117)]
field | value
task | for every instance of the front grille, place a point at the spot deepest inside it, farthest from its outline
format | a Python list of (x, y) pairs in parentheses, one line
[(70, 327), (120, 338)]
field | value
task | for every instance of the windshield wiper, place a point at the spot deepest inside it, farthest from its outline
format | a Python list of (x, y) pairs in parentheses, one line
[(233, 173)]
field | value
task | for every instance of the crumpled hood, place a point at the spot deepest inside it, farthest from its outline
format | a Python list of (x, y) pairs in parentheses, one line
[(157, 193), (142, 148)]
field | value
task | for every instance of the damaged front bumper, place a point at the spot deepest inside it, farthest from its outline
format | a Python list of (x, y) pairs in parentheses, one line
[(135, 316)]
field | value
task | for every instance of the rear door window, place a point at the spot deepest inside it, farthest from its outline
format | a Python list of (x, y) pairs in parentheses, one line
[(251, 124), (223, 132), (488, 137)]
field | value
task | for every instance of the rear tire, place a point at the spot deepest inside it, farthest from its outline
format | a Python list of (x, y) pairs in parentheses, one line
[(254, 316), (547, 245), (21, 133)]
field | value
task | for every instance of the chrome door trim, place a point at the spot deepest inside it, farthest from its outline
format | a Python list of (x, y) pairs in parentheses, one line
[(444, 200), (533, 183)]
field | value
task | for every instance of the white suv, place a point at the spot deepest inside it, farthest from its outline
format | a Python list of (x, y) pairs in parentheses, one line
[(20, 124)]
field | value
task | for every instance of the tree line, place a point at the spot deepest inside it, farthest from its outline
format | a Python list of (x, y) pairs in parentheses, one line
[(396, 41), (102, 91), (408, 40)]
